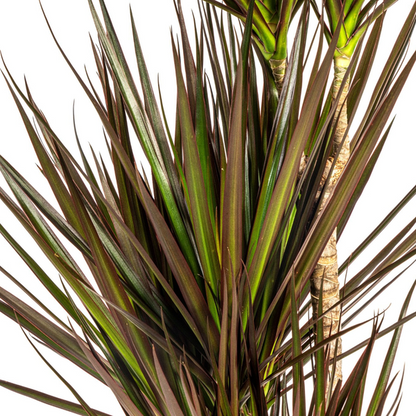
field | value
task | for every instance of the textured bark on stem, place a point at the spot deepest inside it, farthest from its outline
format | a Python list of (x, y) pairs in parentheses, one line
[(278, 67), (325, 274)]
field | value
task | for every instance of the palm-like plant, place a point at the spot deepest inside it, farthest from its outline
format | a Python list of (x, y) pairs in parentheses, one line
[(198, 276)]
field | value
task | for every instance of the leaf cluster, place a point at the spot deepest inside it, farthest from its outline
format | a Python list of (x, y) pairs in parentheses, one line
[(197, 288)]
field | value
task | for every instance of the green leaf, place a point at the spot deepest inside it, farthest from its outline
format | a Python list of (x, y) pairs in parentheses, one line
[(321, 374), (353, 383), (379, 391), (122, 397), (257, 391), (351, 16), (299, 400), (62, 195), (229, 7), (233, 351), (42, 276), (392, 252), (201, 218), (171, 402), (48, 399), (389, 72), (84, 405), (19, 184), (49, 333), (362, 73), (353, 298), (283, 28), (232, 197), (362, 183), (222, 97), (383, 224), (154, 114)]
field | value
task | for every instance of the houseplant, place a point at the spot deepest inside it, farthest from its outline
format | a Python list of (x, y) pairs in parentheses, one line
[(190, 259)]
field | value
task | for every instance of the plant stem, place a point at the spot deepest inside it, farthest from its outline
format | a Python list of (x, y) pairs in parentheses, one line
[(278, 67), (325, 274)]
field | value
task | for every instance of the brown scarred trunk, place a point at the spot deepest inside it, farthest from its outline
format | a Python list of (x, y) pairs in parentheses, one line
[(325, 274), (278, 67)]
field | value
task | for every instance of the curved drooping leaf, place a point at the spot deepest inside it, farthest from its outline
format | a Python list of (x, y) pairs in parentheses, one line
[(48, 399)]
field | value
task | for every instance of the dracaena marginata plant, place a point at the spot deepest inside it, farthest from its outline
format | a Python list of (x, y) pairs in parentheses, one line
[(199, 274)]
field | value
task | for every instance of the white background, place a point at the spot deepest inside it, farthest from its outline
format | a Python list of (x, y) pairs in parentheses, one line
[(28, 49)]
